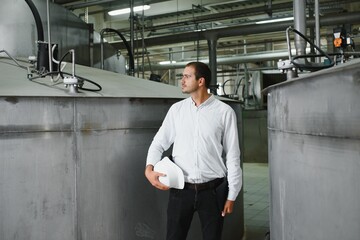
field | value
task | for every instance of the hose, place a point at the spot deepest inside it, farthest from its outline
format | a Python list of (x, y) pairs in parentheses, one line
[(130, 53), (311, 67), (39, 27)]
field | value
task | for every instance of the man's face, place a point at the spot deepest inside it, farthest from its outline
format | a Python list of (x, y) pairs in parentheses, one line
[(189, 84)]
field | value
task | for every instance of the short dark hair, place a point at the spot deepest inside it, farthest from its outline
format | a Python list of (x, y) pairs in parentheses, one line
[(201, 70)]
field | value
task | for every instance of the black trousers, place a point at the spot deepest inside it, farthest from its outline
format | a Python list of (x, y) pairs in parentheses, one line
[(207, 203)]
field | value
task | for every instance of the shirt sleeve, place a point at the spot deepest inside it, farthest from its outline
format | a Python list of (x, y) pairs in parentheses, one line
[(232, 154), (162, 140)]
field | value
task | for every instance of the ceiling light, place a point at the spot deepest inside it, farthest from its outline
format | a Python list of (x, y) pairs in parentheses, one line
[(275, 20), (127, 10), (166, 62)]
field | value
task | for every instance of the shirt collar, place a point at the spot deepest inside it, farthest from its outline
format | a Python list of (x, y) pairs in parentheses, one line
[(207, 101)]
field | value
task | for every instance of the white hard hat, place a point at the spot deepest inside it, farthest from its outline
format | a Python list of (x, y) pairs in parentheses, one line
[(174, 175)]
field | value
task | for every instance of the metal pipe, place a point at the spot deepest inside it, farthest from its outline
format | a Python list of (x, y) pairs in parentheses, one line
[(87, 4), (221, 16), (212, 42), (131, 71), (269, 48), (245, 29), (143, 42), (49, 36), (72, 52), (226, 60), (102, 48), (300, 25), (317, 27)]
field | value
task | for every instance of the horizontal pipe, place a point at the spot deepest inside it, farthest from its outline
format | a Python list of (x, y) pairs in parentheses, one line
[(221, 16), (343, 18), (226, 60)]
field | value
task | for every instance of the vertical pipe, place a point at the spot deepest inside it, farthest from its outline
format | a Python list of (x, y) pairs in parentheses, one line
[(300, 25), (312, 35), (49, 35), (245, 50), (212, 41), (143, 42), (86, 15), (269, 48), (317, 27), (131, 71), (91, 44), (102, 49)]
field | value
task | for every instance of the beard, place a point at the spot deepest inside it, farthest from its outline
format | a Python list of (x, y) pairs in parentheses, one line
[(188, 89)]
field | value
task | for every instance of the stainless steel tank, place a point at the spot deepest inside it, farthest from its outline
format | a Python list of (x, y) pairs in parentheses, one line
[(67, 31), (314, 155), (72, 166)]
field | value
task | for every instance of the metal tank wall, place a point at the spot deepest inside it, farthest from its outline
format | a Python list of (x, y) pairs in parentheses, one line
[(314, 155), (72, 166), (18, 25), (255, 136), (67, 30)]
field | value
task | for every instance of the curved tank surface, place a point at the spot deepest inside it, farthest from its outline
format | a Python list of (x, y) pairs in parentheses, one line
[(314, 155), (67, 31), (72, 166)]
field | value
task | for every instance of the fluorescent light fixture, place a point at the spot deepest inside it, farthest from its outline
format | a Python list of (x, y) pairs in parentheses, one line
[(275, 20), (127, 10), (200, 30), (166, 62)]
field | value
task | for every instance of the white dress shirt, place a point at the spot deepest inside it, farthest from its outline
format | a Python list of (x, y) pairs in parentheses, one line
[(206, 143)]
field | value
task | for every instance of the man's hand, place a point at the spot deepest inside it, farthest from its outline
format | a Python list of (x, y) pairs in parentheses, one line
[(153, 178), (228, 208)]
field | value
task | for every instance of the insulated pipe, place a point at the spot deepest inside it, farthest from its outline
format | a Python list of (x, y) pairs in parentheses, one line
[(300, 25), (212, 42)]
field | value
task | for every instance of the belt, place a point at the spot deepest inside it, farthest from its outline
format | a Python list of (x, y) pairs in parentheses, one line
[(203, 186)]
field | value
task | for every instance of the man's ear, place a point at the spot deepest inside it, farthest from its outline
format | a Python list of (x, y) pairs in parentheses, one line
[(201, 81)]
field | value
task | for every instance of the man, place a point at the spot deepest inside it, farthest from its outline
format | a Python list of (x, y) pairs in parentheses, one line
[(203, 131)]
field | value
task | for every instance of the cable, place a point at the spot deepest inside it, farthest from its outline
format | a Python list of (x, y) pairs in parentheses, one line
[(39, 27), (130, 53), (311, 67), (223, 86), (82, 79), (61, 73)]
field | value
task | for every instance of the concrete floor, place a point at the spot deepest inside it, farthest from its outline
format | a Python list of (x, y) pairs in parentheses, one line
[(256, 200)]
